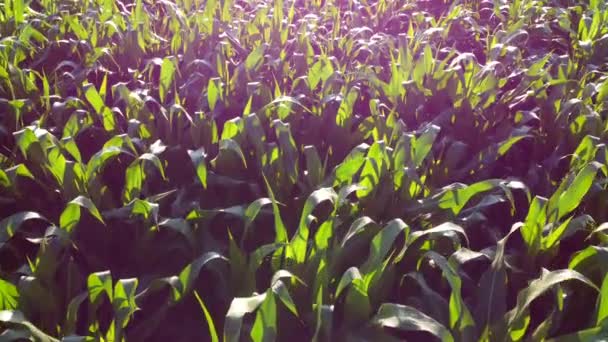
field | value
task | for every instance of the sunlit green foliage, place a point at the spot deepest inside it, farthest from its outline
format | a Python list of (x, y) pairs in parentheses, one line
[(206, 170)]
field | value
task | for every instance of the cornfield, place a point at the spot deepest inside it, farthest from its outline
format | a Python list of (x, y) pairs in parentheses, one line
[(289, 170)]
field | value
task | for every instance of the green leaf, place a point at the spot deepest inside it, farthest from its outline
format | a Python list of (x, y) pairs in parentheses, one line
[(288, 149), (255, 58), (12, 224), (180, 226), (458, 195), (286, 102), (98, 284), (19, 170), (346, 107), (94, 98), (492, 295), (280, 290), (432, 302), (265, 324), (99, 159), (382, 244), (346, 170), (591, 261), (531, 231), (314, 167), (602, 92), (77, 27), (585, 152), (587, 335), (407, 318), (320, 71), (345, 192), (323, 317), (69, 144), (15, 335), (252, 212), (347, 278), (213, 92), (232, 129), (9, 296), (602, 309), (357, 305), (254, 208), (460, 316), (418, 238), (57, 166), (134, 179), (30, 145), (70, 216), (429, 61), (505, 146), (423, 144), (107, 117), (241, 282), (145, 209), (231, 145), (18, 11), (198, 159), (418, 72), (234, 318), (572, 197), (124, 301), (373, 169), (190, 273), (279, 226), (167, 74), (299, 242), (154, 160), (136, 175), (4, 180), (208, 318), (323, 236), (72, 312), (539, 286), (257, 257), (356, 228), (124, 142), (10, 317), (568, 227)]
